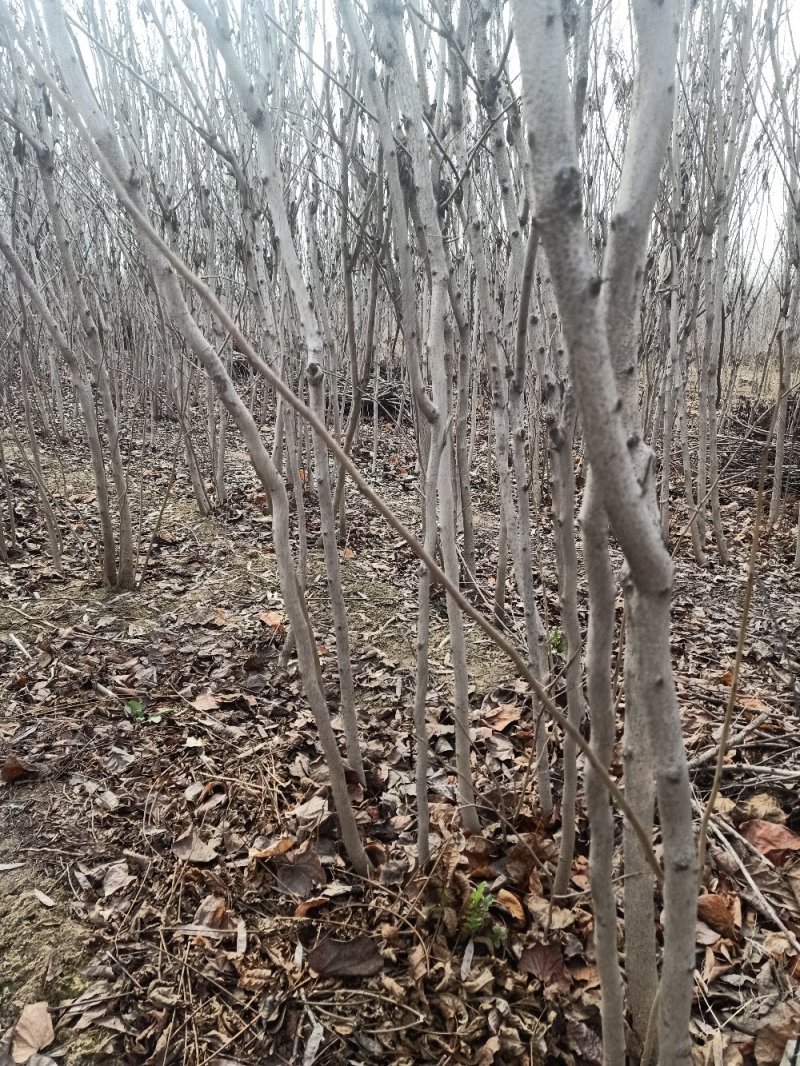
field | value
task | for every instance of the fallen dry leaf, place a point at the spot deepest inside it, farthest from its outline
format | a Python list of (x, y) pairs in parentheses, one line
[(15, 769), (761, 806), (511, 904), (772, 840), (719, 911), (346, 958), (205, 702), (780, 1026), (33, 1031), (191, 848), (546, 961), (117, 876), (503, 715)]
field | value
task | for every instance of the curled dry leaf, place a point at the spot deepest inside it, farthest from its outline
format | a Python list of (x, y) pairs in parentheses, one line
[(721, 911), (346, 958), (33, 1031), (15, 769), (511, 904)]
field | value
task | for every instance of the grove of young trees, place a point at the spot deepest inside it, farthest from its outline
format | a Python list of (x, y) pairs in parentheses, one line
[(554, 242)]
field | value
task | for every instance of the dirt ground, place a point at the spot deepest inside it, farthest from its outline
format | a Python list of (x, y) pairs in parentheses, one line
[(171, 884)]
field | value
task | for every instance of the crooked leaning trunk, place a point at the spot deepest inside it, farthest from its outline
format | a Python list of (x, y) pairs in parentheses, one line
[(181, 318)]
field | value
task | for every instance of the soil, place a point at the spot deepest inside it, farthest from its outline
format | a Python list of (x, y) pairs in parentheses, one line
[(132, 723)]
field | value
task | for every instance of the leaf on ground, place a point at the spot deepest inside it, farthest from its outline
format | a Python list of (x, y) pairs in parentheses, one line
[(117, 876), (781, 1025), (772, 840), (33, 1031), (503, 715), (300, 874), (312, 810), (720, 911), (190, 847), (205, 702), (511, 904), (763, 806), (15, 769), (346, 958), (546, 961)]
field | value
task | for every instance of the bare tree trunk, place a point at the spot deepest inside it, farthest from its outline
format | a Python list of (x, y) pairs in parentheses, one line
[(598, 318), (123, 174)]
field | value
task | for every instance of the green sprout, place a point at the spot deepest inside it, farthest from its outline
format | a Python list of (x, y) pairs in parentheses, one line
[(476, 912), (557, 639), (135, 710)]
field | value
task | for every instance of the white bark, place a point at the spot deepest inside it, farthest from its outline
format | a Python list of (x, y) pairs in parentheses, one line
[(598, 319)]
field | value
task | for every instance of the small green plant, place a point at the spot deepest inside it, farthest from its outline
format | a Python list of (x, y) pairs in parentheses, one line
[(557, 639), (135, 710), (476, 912), (498, 935)]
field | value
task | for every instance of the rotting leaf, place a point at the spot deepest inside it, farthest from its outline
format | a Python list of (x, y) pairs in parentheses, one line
[(346, 958), (33, 1031)]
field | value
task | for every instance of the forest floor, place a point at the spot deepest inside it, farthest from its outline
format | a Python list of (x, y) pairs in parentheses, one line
[(171, 885)]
